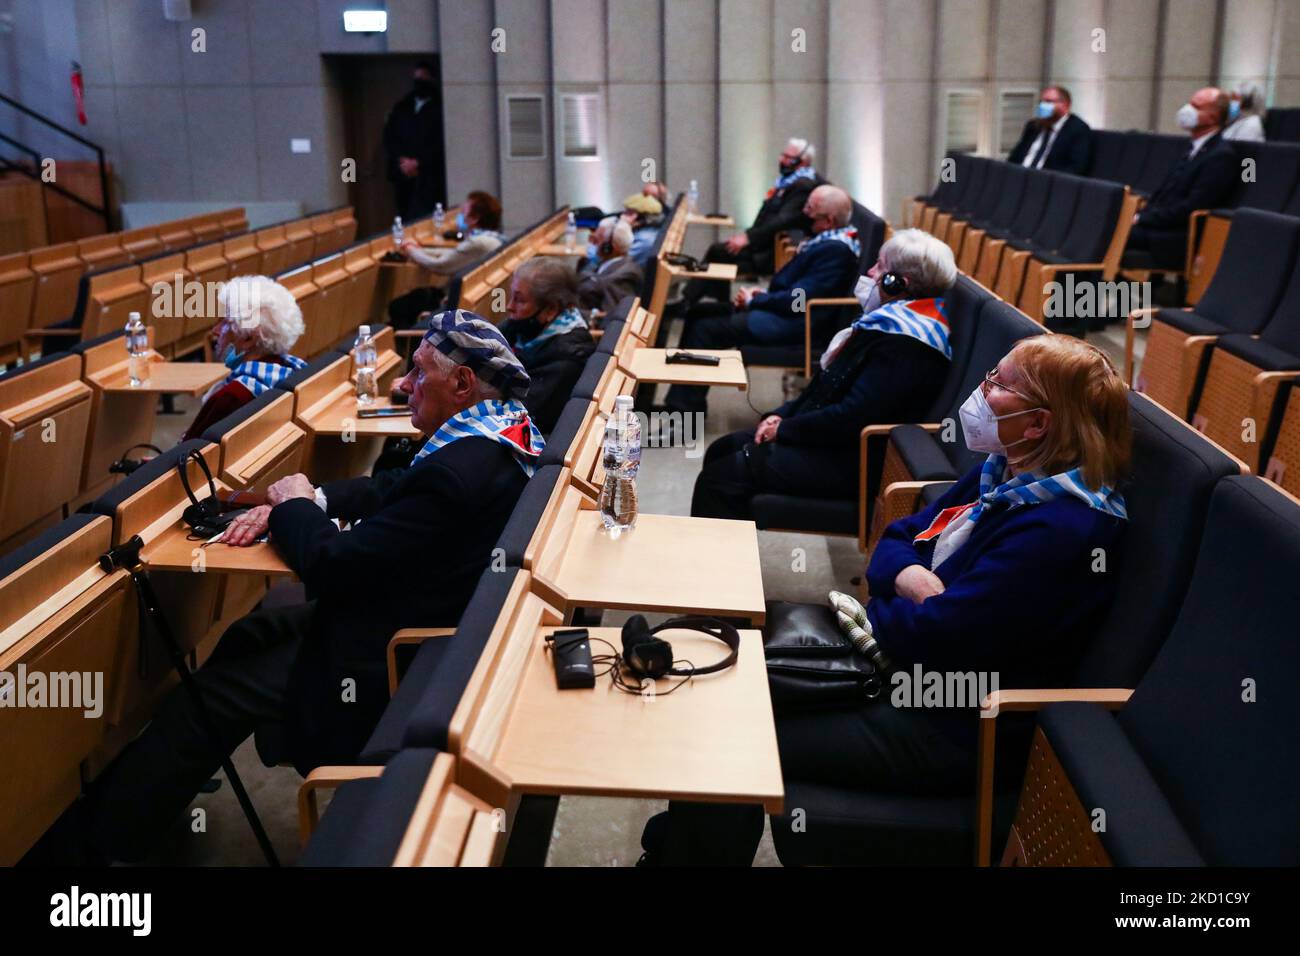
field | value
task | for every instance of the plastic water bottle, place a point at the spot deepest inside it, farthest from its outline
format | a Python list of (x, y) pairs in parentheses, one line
[(137, 350), (438, 216), (693, 197), (621, 457), (398, 232), (571, 232), (366, 360)]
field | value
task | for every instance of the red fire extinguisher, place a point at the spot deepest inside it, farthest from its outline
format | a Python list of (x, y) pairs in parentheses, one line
[(79, 92)]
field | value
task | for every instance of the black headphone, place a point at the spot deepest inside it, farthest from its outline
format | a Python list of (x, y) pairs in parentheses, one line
[(893, 283), (607, 247), (126, 464), (650, 657)]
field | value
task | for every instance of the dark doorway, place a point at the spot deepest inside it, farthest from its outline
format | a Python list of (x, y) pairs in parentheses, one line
[(371, 86)]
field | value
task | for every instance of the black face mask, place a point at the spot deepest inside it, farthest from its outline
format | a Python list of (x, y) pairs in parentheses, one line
[(788, 168), (424, 88), (523, 330)]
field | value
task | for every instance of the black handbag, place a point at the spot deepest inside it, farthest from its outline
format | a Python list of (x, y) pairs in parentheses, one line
[(811, 663), (211, 516)]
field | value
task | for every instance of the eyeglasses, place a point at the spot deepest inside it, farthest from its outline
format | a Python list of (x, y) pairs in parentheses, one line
[(991, 381)]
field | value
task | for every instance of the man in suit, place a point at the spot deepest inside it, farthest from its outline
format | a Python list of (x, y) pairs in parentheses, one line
[(1201, 179), (1055, 138), (753, 250), (418, 542), (614, 274), (825, 266), (413, 142)]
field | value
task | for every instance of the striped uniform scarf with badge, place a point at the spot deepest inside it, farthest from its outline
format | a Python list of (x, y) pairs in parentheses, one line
[(845, 234), (257, 377), (506, 422)]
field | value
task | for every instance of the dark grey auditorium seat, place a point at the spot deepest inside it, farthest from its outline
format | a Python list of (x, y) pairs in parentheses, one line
[(1196, 767), (565, 432), (585, 387), (292, 381), (1058, 216), (1033, 205), (1107, 154), (107, 503), (1174, 474)]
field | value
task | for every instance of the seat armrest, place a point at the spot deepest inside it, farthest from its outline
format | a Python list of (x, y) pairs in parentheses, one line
[(324, 778), (864, 440), (410, 635), (1020, 700), (808, 325)]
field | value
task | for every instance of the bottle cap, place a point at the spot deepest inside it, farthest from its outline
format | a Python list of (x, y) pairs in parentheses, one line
[(133, 316), (364, 330), (623, 401)]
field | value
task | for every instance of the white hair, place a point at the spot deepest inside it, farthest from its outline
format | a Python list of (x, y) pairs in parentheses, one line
[(446, 365), (807, 149), (1252, 96), (619, 233), (264, 306), (925, 261)]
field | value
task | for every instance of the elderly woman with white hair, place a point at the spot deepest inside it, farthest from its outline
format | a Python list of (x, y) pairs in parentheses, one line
[(260, 322), (1246, 113), (888, 366)]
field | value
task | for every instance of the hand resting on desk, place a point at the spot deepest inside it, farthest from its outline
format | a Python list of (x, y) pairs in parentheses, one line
[(248, 528)]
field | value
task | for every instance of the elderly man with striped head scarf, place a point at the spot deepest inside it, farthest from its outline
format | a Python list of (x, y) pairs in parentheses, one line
[(418, 540)]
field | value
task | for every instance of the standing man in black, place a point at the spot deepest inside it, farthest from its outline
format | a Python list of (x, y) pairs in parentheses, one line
[(753, 250), (1201, 179), (1055, 138), (413, 143)]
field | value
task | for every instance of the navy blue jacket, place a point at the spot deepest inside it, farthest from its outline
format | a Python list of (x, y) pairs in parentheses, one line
[(1021, 594), (825, 270), (1071, 151)]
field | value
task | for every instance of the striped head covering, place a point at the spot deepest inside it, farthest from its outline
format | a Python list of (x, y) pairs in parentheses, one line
[(566, 321), (471, 340), (845, 234), (783, 182), (925, 320), (505, 422), (257, 377)]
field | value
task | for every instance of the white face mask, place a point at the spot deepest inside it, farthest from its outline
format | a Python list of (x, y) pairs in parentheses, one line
[(867, 293), (980, 426), (1188, 117)]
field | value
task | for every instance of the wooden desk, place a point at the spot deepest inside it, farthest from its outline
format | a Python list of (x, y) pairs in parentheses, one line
[(559, 249), (716, 270), (711, 740), (695, 219), (651, 365), (175, 378), (337, 414), (666, 563), (172, 550)]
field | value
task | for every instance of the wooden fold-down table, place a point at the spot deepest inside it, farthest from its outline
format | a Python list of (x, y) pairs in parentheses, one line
[(666, 563), (652, 366), (713, 739), (338, 414), (167, 378), (695, 219), (559, 249), (172, 550)]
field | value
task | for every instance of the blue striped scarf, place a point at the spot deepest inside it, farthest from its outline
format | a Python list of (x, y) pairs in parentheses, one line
[(783, 182), (566, 321), (1032, 489), (922, 319), (506, 422), (257, 377), (487, 232), (846, 234)]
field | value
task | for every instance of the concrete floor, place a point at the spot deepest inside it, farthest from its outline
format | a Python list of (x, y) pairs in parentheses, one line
[(589, 831)]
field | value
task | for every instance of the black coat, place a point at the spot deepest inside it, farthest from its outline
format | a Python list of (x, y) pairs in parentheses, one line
[(425, 537), (1202, 183), (1071, 151), (876, 377), (780, 212), (419, 136), (554, 367)]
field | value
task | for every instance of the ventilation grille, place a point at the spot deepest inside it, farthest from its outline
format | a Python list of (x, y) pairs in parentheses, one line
[(962, 134), (1014, 109), (526, 131), (580, 114)]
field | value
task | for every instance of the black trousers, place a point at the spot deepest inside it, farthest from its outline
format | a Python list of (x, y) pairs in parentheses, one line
[(735, 470), (244, 686), (877, 747), (707, 327), (747, 263), (1167, 247), (405, 311)]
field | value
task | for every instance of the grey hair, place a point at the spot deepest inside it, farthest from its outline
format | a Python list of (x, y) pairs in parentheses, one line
[(808, 150), (618, 232), (446, 365), (551, 281), (264, 306), (1252, 96), (927, 263)]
